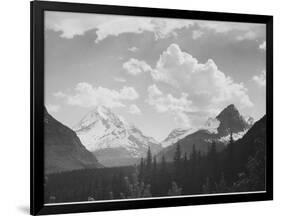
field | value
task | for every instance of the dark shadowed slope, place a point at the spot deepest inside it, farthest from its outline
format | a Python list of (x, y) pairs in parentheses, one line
[(63, 149)]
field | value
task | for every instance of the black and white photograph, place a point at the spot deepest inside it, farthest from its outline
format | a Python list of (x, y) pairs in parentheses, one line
[(141, 107)]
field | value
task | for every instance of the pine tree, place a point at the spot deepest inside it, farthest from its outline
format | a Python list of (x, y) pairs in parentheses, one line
[(213, 164), (177, 165), (230, 172), (141, 170), (154, 165), (177, 156), (148, 167), (148, 160), (163, 164), (185, 159)]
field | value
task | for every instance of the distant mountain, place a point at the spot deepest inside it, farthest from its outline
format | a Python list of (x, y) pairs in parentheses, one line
[(215, 129), (63, 149), (174, 136), (112, 139)]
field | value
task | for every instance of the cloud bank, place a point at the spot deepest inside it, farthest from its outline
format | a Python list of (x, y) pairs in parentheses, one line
[(73, 24), (85, 95)]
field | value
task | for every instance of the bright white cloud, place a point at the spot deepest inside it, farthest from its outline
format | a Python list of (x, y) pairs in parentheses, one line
[(134, 109), (260, 79), (208, 87), (128, 93), (52, 108), (177, 107), (135, 67), (197, 34), (262, 46), (133, 49), (153, 91), (212, 125), (85, 95)]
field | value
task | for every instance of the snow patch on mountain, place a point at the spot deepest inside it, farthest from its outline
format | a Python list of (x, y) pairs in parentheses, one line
[(235, 136), (250, 120)]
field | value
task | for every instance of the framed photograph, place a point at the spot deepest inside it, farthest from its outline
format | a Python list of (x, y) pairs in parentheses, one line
[(139, 108)]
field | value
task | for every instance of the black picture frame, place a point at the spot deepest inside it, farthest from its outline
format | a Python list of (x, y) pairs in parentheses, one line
[(37, 108)]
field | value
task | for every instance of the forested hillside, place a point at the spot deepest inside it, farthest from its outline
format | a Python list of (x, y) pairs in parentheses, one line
[(239, 167)]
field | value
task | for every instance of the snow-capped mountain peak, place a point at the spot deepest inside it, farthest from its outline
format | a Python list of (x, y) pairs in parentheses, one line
[(101, 129), (100, 113)]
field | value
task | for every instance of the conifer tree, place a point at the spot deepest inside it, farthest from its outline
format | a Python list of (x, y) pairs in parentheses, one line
[(148, 160), (141, 170)]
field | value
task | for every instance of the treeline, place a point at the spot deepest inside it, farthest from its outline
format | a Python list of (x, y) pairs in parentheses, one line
[(239, 167)]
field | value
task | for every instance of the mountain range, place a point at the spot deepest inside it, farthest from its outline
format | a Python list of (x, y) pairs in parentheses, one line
[(115, 142), (102, 138)]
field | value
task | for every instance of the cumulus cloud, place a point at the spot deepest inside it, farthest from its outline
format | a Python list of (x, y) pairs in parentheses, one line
[(260, 79), (135, 67), (52, 108), (85, 95), (200, 80), (134, 109), (177, 107), (208, 88), (262, 46)]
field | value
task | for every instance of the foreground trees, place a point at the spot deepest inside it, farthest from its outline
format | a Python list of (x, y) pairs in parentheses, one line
[(239, 167)]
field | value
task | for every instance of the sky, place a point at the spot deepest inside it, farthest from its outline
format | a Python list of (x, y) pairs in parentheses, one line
[(157, 73)]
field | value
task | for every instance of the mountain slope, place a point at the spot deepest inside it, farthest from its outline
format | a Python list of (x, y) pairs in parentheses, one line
[(174, 136), (218, 130), (112, 140), (63, 149), (248, 145)]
